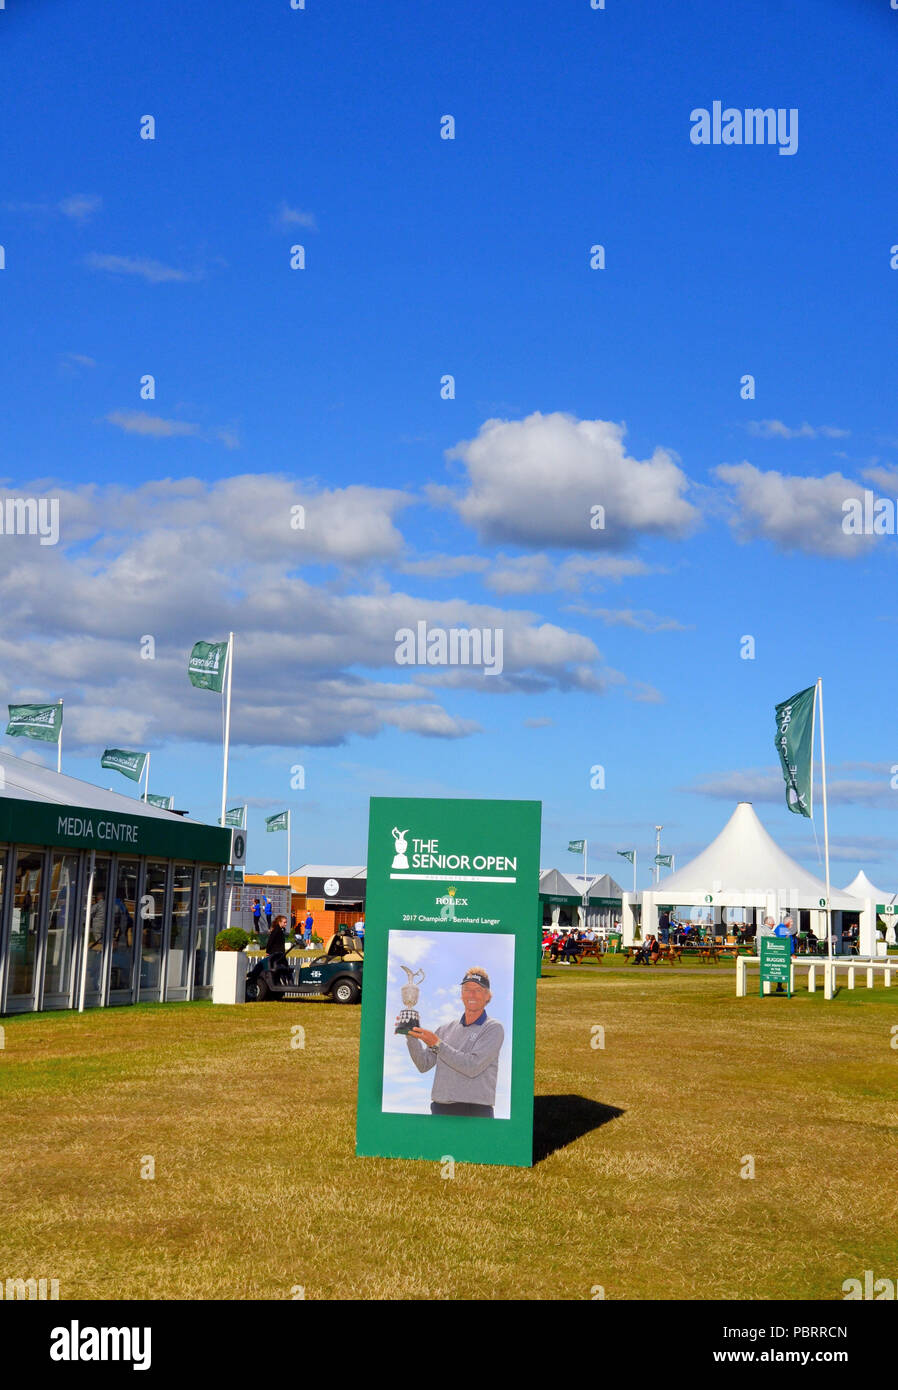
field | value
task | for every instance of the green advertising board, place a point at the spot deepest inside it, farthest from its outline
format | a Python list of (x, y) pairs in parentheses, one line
[(450, 895), (776, 960)]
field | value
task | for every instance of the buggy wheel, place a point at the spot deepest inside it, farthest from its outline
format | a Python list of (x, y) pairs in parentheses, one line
[(264, 991), (346, 992)]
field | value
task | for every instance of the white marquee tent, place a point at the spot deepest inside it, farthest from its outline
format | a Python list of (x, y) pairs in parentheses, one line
[(745, 867), (861, 887)]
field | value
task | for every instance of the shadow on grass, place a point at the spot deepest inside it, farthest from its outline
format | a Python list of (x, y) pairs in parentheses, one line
[(559, 1120)]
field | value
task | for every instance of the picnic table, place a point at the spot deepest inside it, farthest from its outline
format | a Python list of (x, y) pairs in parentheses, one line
[(670, 953)]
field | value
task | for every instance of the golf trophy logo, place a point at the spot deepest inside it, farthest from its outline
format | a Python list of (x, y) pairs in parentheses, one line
[(408, 1016), (400, 858)]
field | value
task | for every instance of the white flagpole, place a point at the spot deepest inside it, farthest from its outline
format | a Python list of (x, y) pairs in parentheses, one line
[(634, 871), (87, 911), (227, 737), (829, 919), (59, 745), (146, 785), (288, 847)]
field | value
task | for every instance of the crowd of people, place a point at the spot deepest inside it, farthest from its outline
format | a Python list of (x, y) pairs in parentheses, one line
[(565, 945)]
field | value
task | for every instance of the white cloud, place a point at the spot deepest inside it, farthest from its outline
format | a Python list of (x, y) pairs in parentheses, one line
[(183, 559), (794, 512), (80, 207), (529, 574), (157, 427), (642, 619), (295, 217), (536, 481), (445, 566), (154, 426), (775, 429), (762, 785), (153, 271)]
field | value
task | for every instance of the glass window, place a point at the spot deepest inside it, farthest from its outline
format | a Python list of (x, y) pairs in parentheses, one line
[(62, 924), (96, 929), (25, 922), (205, 930), (152, 925), (182, 901), (124, 914)]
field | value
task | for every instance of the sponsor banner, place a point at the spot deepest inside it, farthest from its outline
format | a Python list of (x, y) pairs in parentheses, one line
[(794, 744), (448, 1004), (206, 666), (35, 721), (128, 764)]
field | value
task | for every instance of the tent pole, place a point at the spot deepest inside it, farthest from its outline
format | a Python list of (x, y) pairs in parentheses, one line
[(59, 745)]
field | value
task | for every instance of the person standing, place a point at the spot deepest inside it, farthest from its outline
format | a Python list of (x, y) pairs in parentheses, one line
[(257, 916), (463, 1054), (308, 928), (276, 945), (267, 909)]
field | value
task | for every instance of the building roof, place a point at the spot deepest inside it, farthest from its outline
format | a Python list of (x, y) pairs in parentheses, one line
[(337, 871), (24, 780)]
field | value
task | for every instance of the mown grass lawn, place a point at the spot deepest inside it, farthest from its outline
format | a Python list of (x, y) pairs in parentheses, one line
[(257, 1189)]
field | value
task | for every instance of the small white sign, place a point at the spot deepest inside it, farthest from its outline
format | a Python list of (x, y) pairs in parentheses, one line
[(331, 887)]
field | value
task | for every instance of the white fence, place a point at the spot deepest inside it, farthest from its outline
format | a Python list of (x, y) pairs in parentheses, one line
[(825, 969)]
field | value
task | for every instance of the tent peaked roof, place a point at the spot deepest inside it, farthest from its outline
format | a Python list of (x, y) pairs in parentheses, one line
[(743, 858), (861, 887)]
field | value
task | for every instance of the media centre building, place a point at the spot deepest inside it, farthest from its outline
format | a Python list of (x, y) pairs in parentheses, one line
[(103, 899)]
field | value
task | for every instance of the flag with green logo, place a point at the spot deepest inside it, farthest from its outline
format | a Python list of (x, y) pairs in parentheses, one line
[(165, 803), (206, 666), (128, 764), (628, 854), (278, 822), (664, 861), (794, 743), (576, 846), (35, 721), (236, 817)]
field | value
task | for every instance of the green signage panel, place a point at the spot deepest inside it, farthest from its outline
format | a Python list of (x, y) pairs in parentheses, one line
[(776, 959), (80, 827), (449, 1002)]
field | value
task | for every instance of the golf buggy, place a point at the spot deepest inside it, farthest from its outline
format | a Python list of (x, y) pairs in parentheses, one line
[(336, 975)]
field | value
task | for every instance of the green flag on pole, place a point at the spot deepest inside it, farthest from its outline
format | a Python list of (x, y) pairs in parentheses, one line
[(628, 854), (165, 803), (278, 822), (35, 721), (236, 817), (128, 764), (794, 743), (664, 861), (206, 666), (576, 846)]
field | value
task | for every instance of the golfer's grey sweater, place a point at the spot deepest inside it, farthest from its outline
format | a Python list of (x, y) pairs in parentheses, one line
[(466, 1061)]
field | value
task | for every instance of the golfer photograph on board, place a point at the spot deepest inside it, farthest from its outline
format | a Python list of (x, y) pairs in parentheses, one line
[(464, 1054)]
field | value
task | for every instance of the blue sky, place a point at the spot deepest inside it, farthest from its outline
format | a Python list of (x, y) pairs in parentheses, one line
[(321, 387)]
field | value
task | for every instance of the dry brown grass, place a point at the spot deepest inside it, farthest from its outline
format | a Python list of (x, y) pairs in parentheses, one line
[(257, 1188)]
